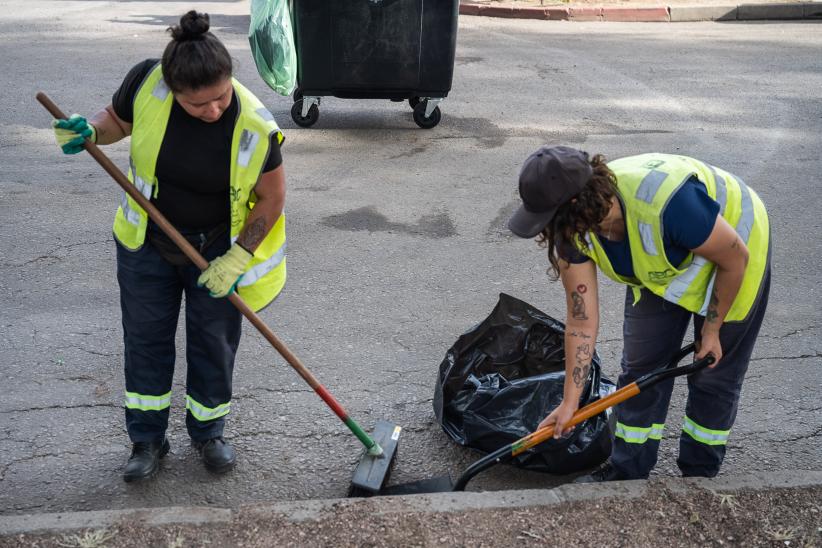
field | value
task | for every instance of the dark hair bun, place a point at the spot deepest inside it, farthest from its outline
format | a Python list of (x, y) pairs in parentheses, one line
[(192, 26)]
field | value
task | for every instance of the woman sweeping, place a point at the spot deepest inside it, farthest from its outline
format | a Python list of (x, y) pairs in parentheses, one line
[(206, 152)]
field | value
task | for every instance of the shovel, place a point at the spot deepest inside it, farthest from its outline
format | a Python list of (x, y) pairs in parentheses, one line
[(508, 452)]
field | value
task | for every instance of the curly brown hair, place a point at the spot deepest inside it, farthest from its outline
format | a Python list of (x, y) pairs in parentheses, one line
[(583, 214)]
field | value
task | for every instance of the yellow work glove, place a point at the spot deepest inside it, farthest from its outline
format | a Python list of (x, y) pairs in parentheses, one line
[(224, 272), (72, 133)]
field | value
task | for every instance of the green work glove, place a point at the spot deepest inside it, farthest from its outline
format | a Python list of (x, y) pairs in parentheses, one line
[(224, 272), (72, 133)]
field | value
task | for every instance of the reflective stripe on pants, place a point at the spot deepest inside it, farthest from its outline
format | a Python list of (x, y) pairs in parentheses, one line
[(704, 435), (653, 331), (638, 434), (151, 291), (145, 402)]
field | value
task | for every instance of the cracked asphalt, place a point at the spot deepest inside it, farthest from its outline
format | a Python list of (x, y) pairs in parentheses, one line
[(396, 244)]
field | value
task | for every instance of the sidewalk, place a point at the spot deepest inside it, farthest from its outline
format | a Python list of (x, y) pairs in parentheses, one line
[(782, 509), (662, 11)]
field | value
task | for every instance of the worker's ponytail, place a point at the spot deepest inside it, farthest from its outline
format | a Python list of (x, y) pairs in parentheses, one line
[(194, 58), (584, 214)]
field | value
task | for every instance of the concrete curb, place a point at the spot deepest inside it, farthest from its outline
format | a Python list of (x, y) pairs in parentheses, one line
[(439, 502), (650, 14)]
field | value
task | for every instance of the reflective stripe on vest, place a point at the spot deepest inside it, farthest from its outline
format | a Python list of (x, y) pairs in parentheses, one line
[(258, 271), (248, 142), (203, 413), (638, 434), (646, 231), (254, 127), (705, 435), (160, 90), (130, 214), (650, 185), (681, 283), (145, 402), (265, 114), (721, 190), (143, 187)]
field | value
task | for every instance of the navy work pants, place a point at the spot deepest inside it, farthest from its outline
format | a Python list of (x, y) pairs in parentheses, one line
[(654, 330), (151, 291)]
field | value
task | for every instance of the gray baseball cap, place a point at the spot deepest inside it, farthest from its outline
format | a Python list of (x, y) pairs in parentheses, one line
[(549, 178)]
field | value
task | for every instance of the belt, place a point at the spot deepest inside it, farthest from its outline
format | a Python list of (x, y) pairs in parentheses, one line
[(201, 239)]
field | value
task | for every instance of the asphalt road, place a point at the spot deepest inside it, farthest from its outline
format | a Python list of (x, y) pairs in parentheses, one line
[(396, 244)]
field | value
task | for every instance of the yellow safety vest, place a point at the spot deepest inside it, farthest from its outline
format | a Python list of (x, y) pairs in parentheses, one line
[(265, 276), (646, 183)]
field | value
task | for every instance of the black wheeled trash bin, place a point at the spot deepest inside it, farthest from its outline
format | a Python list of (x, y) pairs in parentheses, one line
[(374, 49)]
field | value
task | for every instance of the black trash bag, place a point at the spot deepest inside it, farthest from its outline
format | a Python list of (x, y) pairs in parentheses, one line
[(501, 378)]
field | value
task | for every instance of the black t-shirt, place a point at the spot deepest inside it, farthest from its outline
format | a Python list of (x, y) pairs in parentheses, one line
[(194, 165)]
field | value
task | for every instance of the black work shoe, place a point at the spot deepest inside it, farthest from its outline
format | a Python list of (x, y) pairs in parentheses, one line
[(145, 459), (606, 472), (218, 455)]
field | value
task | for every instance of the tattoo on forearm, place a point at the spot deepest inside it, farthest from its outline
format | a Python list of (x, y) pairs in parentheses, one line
[(583, 359), (252, 234), (579, 334), (735, 245), (578, 308), (578, 382), (713, 308)]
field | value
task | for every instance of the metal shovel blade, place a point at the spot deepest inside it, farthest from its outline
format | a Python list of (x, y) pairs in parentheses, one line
[(439, 484)]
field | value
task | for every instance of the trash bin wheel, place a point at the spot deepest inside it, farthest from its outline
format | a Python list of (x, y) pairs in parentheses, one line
[(313, 114), (298, 94), (419, 116), (414, 101)]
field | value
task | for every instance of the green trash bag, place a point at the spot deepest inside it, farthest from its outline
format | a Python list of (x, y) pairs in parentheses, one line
[(272, 44)]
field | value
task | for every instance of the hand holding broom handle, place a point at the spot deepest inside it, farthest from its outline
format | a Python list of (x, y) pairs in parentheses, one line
[(371, 446)]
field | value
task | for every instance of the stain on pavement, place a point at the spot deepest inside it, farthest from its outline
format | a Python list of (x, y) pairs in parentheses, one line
[(437, 225), (498, 227)]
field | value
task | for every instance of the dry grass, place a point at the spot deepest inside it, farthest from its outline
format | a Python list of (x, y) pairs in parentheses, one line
[(90, 539), (729, 501), (781, 534)]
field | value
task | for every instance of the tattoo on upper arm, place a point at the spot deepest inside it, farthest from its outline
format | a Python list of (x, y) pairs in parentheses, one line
[(735, 244), (578, 308), (579, 334), (252, 234), (583, 365), (713, 308)]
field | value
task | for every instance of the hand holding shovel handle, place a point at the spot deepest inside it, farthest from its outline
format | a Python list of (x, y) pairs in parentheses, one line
[(508, 452)]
